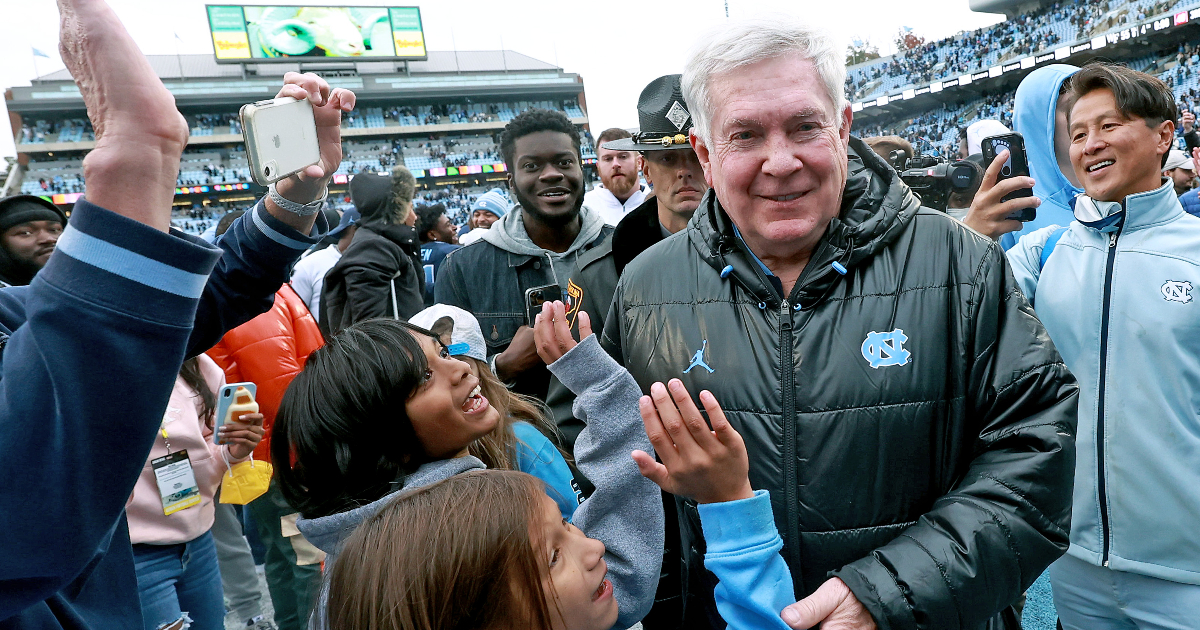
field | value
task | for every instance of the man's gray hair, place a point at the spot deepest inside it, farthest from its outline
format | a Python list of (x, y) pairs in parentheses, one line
[(748, 41)]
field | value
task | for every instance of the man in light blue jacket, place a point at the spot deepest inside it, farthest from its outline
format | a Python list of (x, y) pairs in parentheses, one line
[(1116, 296)]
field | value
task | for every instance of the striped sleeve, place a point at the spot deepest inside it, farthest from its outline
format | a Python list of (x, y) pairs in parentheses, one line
[(142, 271)]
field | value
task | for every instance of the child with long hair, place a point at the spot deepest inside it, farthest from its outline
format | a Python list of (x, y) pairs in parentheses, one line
[(170, 519), (383, 406), (519, 441), (505, 560), (482, 557)]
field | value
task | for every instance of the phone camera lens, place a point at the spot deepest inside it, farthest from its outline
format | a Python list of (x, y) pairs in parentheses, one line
[(267, 170), (1005, 171)]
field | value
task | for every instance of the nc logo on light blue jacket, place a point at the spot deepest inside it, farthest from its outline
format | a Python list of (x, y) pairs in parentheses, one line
[(1139, 400)]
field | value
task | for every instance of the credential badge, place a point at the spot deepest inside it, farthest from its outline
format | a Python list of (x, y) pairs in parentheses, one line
[(678, 115), (1177, 291), (884, 349)]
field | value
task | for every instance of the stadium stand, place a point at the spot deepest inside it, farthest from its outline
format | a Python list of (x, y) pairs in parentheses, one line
[(935, 132), (1040, 30), (214, 123)]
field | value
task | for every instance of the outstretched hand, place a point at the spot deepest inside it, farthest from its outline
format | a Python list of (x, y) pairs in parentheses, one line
[(709, 466), (140, 135), (552, 331)]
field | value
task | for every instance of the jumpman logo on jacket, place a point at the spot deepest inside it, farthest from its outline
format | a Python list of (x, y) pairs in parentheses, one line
[(698, 360)]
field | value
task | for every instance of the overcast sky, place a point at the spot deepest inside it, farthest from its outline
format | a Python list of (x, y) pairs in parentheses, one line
[(617, 46)]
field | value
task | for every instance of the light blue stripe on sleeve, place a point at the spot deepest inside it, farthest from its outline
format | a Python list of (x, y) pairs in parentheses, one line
[(130, 265), (272, 233)]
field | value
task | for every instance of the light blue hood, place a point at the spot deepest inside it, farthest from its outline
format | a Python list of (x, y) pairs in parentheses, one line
[(1033, 118)]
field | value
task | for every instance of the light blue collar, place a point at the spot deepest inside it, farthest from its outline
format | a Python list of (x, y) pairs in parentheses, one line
[(1136, 211), (738, 233)]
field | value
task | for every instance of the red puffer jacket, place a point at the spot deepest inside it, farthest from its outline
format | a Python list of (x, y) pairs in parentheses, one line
[(269, 351)]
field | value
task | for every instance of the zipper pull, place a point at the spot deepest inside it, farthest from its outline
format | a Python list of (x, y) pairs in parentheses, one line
[(1112, 240)]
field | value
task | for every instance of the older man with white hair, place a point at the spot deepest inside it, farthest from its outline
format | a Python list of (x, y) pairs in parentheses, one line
[(899, 400)]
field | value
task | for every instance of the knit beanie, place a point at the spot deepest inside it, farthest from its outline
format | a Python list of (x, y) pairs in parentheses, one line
[(492, 201), (372, 195), (25, 208)]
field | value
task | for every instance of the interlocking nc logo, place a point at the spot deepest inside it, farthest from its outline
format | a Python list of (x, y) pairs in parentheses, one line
[(884, 349), (1177, 291)]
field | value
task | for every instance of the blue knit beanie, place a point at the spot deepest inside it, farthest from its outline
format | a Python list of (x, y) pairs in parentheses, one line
[(492, 201)]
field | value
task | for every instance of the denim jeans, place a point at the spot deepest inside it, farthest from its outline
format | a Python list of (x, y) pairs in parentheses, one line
[(174, 580)]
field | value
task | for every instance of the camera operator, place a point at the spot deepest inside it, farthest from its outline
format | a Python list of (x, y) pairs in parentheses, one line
[(960, 200)]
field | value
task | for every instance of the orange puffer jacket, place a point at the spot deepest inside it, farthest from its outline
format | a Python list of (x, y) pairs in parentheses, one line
[(269, 351)]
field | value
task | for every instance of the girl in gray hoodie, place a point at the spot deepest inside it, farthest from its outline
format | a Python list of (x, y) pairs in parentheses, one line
[(615, 541)]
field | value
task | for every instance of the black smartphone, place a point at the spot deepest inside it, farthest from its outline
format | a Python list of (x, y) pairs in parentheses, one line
[(536, 297), (1017, 165)]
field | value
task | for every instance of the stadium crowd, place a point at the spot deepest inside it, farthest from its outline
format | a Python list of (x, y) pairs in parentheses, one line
[(761, 376), (1037, 31)]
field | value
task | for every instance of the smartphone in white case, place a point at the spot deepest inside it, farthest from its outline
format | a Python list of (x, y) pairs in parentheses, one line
[(281, 138)]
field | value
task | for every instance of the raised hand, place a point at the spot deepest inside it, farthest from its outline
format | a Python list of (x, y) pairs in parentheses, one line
[(328, 105), (709, 466), (988, 215), (140, 135), (552, 332)]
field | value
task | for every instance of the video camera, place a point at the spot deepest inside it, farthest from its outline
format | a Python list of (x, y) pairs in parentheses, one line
[(934, 178)]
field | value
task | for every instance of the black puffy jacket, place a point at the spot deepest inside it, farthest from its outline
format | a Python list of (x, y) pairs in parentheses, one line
[(911, 418)]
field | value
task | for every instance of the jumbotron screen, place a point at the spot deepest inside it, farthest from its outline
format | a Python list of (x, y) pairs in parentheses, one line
[(257, 34)]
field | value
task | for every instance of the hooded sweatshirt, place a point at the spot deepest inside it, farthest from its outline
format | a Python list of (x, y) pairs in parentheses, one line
[(1033, 118), (509, 234)]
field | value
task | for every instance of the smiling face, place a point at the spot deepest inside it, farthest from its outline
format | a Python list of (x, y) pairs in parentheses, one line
[(546, 177), (777, 160), (583, 595), (445, 231), (618, 171), (483, 219), (1113, 155), (447, 410), (678, 179)]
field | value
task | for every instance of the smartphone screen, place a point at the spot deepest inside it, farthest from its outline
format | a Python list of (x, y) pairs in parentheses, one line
[(1017, 165), (536, 297)]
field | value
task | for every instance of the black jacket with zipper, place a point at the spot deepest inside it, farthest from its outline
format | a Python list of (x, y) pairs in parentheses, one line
[(911, 418), (379, 275)]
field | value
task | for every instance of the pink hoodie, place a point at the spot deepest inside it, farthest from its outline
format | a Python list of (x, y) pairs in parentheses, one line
[(185, 430)]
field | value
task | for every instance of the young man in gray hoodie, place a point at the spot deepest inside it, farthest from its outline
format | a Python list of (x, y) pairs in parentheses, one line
[(534, 245)]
